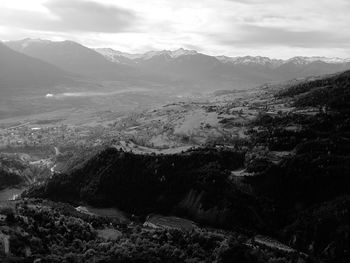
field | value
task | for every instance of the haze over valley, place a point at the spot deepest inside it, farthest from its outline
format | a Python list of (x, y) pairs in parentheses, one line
[(77, 76)]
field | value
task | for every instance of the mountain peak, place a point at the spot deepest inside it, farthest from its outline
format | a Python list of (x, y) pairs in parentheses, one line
[(299, 60), (115, 56), (251, 60), (307, 60), (34, 40), (24, 43), (182, 52), (20, 45)]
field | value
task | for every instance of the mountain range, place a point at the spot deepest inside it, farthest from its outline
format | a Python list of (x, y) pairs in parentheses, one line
[(19, 71), (45, 63), (236, 72), (71, 56), (118, 56)]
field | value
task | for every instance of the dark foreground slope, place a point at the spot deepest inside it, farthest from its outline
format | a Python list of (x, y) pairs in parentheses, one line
[(303, 199), (44, 231), (311, 188), (194, 183), (16, 171), (319, 168)]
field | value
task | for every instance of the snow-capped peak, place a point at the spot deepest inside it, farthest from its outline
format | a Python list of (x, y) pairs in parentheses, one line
[(114, 55), (172, 54), (308, 60), (117, 56), (250, 60), (182, 52)]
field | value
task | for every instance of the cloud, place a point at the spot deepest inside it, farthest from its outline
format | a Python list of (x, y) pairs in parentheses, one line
[(254, 2), (90, 16), (244, 1), (251, 35), (71, 16), (232, 27)]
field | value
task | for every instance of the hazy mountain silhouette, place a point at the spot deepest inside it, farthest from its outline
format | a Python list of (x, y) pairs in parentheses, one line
[(188, 69), (234, 72), (18, 72), (71, 56)]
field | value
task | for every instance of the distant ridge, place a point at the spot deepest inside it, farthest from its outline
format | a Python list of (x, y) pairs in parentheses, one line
[(21, 72), (179, 69), (70, 56), (113, 56), (226, 71)]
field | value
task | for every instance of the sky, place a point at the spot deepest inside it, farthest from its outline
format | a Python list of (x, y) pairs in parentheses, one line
[(273, 28)]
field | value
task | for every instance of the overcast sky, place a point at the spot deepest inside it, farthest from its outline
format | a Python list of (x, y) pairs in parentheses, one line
[(274, 28)]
